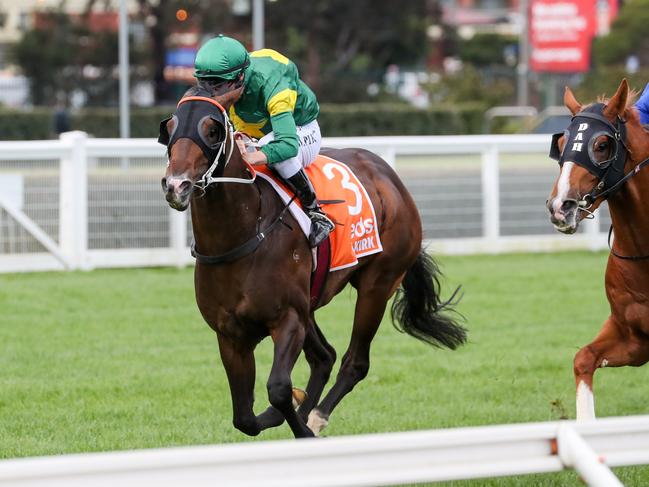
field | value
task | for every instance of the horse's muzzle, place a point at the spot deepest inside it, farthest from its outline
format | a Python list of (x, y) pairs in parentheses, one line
[(177, 192), (563, 215)]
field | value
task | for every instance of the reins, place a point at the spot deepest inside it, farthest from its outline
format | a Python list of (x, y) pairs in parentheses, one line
[(623, 257), (244, 249), (626, 177), (221, 159), (593, 195), (207, 178)]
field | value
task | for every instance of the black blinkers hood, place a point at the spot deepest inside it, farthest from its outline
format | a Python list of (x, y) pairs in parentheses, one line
[(581, 134), (189, 116)]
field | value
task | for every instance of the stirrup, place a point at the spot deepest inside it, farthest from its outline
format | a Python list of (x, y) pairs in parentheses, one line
[(321, 226)]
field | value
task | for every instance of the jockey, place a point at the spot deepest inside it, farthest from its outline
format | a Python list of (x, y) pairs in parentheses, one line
[(268, 100), (643, 106)]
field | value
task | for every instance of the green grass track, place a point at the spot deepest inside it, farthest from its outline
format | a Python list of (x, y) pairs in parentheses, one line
[(121, 359)]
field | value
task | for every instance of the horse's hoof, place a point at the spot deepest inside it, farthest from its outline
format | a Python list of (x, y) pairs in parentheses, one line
[(317, 422), (299, 396)]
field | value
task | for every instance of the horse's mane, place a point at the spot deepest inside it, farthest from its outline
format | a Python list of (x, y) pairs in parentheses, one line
[(630, 99), (630, 111), (197, 90)]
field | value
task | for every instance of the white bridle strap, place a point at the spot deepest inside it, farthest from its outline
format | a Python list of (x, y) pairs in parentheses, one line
[(207, 178)]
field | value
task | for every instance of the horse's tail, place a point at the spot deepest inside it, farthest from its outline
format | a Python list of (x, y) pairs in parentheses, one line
[(418, 310)]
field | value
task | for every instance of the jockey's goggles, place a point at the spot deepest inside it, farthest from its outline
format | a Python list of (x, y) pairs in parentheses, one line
[(219, 86), (229, 74)]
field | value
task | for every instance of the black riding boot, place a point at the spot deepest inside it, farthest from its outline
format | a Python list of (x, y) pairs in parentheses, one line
[(321, 226)]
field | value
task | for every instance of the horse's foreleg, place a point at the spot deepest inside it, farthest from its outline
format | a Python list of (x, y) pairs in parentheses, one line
[(288, 338), (239, 367), (613, 347), (370, 307), (321, 357)]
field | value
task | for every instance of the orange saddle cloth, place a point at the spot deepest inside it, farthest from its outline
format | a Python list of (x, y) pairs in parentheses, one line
[(345, 202)]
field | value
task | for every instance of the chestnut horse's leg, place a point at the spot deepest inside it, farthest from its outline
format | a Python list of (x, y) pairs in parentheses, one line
[(288, 336), (321, 357), (614, 346), (239, 367)]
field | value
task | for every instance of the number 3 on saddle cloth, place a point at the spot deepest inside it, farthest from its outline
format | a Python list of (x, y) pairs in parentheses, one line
[(345, 201)]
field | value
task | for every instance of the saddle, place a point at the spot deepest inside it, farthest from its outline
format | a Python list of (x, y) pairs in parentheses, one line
[(343, 199)]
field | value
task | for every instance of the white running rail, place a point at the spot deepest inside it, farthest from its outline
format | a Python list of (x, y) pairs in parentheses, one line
[(363, 460), (99, 202)]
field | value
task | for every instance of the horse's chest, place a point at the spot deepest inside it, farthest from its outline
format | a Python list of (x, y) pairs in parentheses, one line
[(238, 316), (233, 324)]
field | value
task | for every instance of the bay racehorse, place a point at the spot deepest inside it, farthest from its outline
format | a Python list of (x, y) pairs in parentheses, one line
[(252, 278), (602, 154)]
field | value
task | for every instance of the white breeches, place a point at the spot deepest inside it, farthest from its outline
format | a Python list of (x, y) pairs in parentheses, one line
[(310, 142)]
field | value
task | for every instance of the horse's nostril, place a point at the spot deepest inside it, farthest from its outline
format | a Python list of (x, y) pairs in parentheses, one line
[(185, 185), (163, 182), (568, 206)]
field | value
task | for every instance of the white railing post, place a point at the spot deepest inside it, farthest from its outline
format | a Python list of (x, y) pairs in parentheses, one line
[(490, 194), (178, 235), (73, 200), (576, 453)]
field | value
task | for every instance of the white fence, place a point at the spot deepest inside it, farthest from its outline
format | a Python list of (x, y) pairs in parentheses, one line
[(83, 203), (363, 460)]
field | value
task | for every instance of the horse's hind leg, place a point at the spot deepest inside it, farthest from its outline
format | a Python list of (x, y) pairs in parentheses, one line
[(239, 367), (321, 357), (613, 347), (373, 295)]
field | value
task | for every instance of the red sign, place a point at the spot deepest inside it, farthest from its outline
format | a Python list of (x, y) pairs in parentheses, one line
[(561, 33)]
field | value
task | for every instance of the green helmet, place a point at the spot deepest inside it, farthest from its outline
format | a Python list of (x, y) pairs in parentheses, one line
[(221, 58)]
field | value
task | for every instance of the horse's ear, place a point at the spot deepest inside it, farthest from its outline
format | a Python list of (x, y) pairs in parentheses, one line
[(571, 102), (617, 104), (163, 135)]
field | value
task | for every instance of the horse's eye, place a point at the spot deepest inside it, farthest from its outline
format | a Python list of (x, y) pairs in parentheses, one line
[(602, 146)]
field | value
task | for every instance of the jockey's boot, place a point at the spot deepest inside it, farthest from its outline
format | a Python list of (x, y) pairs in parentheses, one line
[(321, 226)]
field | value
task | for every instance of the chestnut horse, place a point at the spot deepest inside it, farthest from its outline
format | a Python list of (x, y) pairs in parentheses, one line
[(253, 273), (601, 155)]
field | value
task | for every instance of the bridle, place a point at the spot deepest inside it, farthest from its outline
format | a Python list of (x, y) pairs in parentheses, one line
[(190, 114), (591, 124), (584, 129)]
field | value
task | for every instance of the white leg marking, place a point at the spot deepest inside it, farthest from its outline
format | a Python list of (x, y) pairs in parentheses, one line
[(316, 422), (563, 185), (585, 403)]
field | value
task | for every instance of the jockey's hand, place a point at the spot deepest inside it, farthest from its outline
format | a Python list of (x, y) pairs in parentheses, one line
[(255, 158)]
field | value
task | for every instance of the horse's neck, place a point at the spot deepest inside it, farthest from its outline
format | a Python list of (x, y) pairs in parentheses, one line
[(226, 214), (630, 215)]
